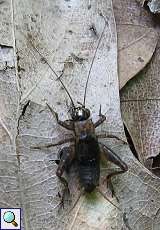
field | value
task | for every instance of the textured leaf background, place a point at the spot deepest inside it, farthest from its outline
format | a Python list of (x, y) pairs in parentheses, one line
[(136, 45), (140, 97), (59, 30)]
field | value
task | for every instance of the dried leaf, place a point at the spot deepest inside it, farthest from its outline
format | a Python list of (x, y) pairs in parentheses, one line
[(6, 34), (137, 190), (38, 84), (136, 45), (140, 102), (141, 110), (9, 168)]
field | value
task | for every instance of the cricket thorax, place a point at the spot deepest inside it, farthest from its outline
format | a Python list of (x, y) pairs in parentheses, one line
[(84, 129)]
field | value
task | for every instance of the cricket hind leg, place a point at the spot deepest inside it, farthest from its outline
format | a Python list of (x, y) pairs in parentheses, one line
[(66, 157), (114, 158)]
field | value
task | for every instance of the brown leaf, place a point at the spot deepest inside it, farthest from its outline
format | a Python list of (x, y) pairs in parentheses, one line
[(136, 45), (140, 98), (35, 186), (141, 109)]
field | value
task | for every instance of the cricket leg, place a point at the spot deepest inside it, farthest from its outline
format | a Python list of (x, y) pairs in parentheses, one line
[(114, 158), (65, 124), (105, 135), (101, 119), (67, 154), (65, 140)]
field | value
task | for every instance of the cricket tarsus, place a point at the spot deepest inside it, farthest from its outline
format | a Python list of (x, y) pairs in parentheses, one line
[(62, 196), (105, 197), (75, 203)]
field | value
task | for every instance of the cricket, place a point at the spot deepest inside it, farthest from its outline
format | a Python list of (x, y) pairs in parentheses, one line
[(85, 149)]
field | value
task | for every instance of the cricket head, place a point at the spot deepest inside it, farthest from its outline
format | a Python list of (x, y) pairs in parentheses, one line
[(80, 113)]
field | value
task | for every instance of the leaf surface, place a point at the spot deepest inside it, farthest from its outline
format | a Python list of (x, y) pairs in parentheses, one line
[(49, 25), (140, 97), (136, 45)]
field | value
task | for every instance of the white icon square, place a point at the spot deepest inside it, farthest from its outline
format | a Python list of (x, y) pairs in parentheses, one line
[(10, 219)]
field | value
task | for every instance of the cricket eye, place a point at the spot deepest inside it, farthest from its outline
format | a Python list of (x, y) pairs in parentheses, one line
[(80, 113), (87, 113)]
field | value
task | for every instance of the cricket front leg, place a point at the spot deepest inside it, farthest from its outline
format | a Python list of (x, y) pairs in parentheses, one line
[(66, 155), (101, 119), (65, 124), (114, 158)]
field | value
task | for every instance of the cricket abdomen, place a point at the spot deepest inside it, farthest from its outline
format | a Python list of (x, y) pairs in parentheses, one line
[(88, 156), (89, 175)]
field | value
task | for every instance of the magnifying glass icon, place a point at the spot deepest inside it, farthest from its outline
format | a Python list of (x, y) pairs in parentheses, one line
[(9, 217)]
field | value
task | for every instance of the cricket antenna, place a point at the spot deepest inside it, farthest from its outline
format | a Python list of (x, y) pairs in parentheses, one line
[(58, 77), (85, 92)]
